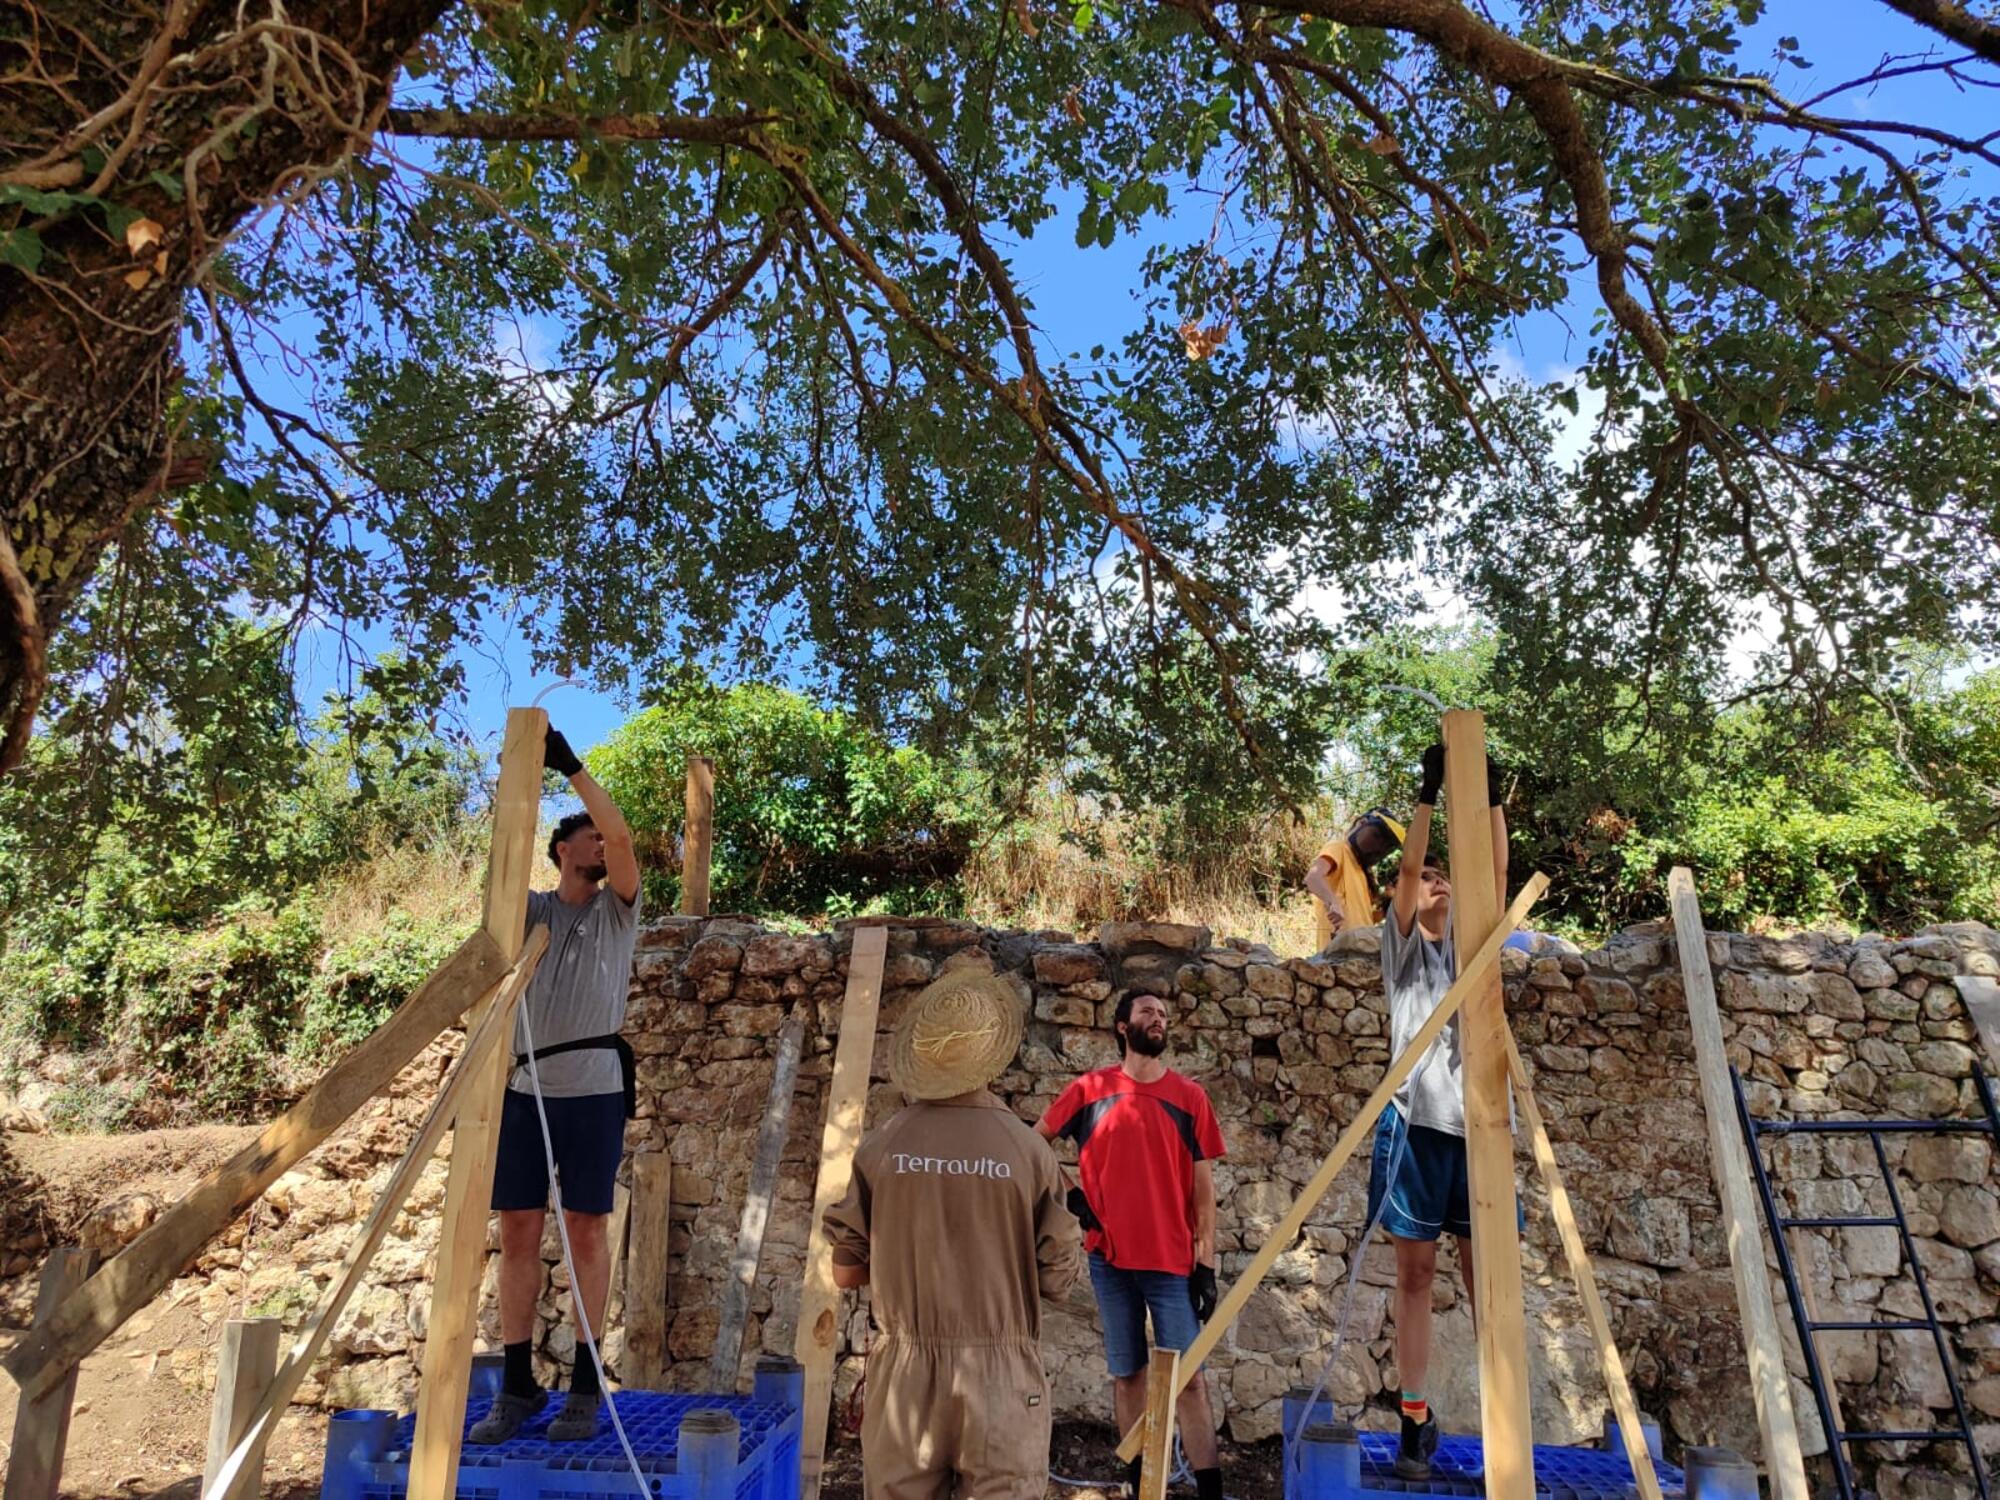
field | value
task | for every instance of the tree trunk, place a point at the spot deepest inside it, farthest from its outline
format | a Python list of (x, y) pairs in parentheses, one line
[(235, 109)]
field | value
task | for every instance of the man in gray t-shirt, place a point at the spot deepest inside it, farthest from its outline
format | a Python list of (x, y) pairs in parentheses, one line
[(568, 1023), (1417, 1179)]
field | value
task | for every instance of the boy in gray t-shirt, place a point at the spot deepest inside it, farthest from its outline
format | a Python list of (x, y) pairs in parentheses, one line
[(573, 1008), (1417, 1179)]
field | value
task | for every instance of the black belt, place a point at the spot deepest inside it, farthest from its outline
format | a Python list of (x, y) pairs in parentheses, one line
[(627, 1064)]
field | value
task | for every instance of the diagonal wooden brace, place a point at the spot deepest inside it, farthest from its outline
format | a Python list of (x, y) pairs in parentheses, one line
[(1483, 966)]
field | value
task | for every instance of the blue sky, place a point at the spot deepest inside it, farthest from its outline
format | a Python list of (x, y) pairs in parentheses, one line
[(1084, 298)]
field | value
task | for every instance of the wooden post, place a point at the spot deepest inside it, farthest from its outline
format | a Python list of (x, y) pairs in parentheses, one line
[(1982, 1002), (1581, 1271), (614, 1282), (697, 836), (722, 1367), (41, 1423), (1505, 1423), (846, 1103), (133, 1277), (1485, 963), (244, 1366), (646, 1273), (1156, 1456), (492, 1036), (1322, 926), (461, 1257), (1784, 1464)]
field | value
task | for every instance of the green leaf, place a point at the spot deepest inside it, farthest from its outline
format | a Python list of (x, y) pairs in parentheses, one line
[(22, 248)]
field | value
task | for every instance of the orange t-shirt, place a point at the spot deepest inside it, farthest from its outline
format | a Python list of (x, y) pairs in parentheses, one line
[(1351, 884)]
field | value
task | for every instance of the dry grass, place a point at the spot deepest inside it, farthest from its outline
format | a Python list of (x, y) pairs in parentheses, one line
[(428, 883)]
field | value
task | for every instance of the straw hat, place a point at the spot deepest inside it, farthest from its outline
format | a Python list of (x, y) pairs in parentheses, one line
[(958, 1035)]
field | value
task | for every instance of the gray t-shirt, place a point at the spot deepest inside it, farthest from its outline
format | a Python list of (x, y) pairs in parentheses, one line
[(579, 990), (1416, 973)]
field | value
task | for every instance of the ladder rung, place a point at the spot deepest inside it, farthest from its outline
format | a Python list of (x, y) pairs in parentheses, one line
[(1910, 1325), (1885, 1221)]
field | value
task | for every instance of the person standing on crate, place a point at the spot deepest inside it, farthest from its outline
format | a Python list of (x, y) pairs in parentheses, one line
[(1146, 1143), (574, 1007), (956, 1221)]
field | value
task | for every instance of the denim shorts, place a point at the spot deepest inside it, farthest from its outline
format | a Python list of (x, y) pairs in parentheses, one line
[(588, 1133), (1430, 1194), (1123, 1300)]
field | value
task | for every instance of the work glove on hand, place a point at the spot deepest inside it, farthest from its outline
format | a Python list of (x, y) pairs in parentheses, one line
[(557, 755), (1080, 1206), (1201, 1292), (1433, 781)]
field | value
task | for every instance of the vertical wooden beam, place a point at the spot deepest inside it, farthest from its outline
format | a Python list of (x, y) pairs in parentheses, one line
[(1485, 963), (1322, 926), (1156, 1455), (621, 1229), (698, 836), (1784, 1462), (41, 1423), (244, 1366), (1585, 1276), (1505, 1423), (728, 1355), (846, 1104), (461, 1257), (646, 1273)]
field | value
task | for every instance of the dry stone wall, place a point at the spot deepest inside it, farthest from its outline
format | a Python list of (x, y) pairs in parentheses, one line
[(1288, 1049)]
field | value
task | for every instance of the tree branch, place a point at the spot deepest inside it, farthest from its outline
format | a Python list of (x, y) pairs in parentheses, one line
[(485, 125), (1948, 18)]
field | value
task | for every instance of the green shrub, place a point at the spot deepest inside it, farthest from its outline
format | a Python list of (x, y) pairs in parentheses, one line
[(361, 980)]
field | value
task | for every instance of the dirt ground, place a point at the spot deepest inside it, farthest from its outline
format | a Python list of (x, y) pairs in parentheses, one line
[(139, 1427)]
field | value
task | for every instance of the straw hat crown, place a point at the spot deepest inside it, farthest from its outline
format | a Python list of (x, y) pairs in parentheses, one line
[(958, 1035)]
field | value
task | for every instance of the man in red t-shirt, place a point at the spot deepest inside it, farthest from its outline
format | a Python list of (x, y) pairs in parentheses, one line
[(1146, 1139)]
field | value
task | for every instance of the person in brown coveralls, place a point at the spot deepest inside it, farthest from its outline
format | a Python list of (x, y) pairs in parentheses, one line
[(957, 1220)]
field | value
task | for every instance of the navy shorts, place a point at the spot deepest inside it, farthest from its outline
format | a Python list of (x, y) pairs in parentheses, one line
[(589, 1136), (1430, 1195), (1123, 1300)]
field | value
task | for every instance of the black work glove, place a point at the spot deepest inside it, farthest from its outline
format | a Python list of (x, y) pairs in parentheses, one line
[(1433, 781), (1080, 1206), (557, 755), (1201, 1292)]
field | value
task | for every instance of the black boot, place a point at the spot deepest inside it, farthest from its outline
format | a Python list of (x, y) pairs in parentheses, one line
[(1419, 1446)]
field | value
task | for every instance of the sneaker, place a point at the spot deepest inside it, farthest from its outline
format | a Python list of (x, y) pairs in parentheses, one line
[(1419, 1446), (509, 1410), (577, 1421)]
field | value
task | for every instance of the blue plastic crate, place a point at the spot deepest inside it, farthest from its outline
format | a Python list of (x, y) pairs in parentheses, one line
[(1459, 1467), (368, 1453)]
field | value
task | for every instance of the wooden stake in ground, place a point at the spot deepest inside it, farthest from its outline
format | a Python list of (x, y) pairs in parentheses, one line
[(41, 1423), (1156, 1427), (1784, 1463), (133, 1277), (1506, 1427), (244, 1366), (722, 1368), (645, 1364), (492, 1036), (697, 836), (461, 1258), (1485, 963), (1581, 1271), (846, 1103)]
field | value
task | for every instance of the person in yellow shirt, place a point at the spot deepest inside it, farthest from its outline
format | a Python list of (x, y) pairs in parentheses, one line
[(1339, 878)]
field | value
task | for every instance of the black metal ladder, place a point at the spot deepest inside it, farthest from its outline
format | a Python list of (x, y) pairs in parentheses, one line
[(1837, 1438)]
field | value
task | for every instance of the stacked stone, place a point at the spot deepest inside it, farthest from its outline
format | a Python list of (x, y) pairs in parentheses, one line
[(1288, 1050)]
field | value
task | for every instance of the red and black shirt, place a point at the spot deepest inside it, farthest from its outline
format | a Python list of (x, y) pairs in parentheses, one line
[(1136, 1146)]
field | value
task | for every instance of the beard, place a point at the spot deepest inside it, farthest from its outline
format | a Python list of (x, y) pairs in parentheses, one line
[(593, 873), (1146, 1043)]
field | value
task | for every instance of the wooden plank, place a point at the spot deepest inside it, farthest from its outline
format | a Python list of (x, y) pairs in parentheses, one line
[(1485, 963), (41, 1423), (1322, 926), (846, 1104), (646, 1273), (1982, 1002), (1585, 1276), (697, 836), (491, 1037), (728, 1355), (621, 1227), (1784, 1463), (244, 1367), (461, 1259), (1506, 1426), (136, 1274), (1156, 1457)]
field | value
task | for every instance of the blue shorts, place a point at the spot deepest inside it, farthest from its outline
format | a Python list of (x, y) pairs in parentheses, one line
[(589, 1136), (1123, 1300), (1430, 1195)]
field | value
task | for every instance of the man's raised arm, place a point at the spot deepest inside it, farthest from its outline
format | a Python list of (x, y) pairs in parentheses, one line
[(621, 861)]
